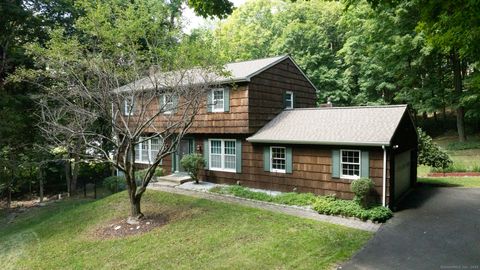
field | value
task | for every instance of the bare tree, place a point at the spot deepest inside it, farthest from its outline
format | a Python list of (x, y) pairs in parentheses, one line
[(111, 120)]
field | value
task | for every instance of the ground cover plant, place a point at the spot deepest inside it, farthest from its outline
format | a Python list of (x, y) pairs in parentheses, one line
[(328, 205), (196, 234)]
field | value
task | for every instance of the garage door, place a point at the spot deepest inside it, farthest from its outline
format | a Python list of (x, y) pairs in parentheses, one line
[(402, 173)]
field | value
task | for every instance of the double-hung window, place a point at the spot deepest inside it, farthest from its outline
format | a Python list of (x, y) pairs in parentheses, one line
[(350, 164), (288, 100), (146, 151), (128, 106), (218, 100), (168, 104), (277, 159), (222, 155)]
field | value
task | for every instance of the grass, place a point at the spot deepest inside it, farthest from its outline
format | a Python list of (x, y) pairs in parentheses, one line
[(452, 181), (465, 156), (289, 198), (210, 235)]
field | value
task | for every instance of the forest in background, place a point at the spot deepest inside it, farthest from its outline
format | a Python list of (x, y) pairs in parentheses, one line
[(419, 52)]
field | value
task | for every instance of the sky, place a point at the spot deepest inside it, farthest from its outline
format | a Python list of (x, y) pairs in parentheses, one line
[(193, 21)]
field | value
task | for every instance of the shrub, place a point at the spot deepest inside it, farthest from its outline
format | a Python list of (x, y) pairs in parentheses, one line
[(114, 183), (192, 164), (361, 188), (331, 206), (139, 175), (430, 154)]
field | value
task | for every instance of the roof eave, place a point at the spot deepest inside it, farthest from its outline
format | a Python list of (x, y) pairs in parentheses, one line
[(253, 140)]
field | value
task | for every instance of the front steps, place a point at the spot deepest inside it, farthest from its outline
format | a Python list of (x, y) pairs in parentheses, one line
[(173, 179)]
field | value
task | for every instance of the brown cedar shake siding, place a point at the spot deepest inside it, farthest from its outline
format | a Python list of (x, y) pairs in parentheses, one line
[(266, 93)]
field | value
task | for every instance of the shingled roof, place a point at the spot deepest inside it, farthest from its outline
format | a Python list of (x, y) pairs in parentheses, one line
[(237, 72), (365, 125)]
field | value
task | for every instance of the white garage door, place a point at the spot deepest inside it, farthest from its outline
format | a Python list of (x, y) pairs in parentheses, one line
[(402, 173)]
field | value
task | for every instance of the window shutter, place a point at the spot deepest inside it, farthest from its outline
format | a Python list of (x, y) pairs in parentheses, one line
[(266, 158), (226, 99), (205, 152), (365, 165), (174, 159), (209, 101), (284, 99), (288, 160), (294, 100), (336, 163), (161, 103), (238, 152), (175, 103)]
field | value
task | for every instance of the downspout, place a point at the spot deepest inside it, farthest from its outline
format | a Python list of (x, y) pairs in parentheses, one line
[(384, 193)]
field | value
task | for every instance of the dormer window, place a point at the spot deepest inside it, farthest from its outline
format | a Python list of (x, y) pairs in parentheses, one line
[(218, 100), (288, 100)]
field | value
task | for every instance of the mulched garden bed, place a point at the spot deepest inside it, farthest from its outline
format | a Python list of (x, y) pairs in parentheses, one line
[(118, 228), (454, 174)]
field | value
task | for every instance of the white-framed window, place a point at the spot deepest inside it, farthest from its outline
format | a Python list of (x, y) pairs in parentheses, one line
[(350, 164), (146, 151), (168, 104), (218, 100), (128, 108), (222, 155), (278, 159), (289, 100)]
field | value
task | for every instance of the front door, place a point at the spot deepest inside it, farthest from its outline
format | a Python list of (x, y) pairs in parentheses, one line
[(183, 149)]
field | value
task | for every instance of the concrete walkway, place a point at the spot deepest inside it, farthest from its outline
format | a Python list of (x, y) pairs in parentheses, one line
[(285, 209)]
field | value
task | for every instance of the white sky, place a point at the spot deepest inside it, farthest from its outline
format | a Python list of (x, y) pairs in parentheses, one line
[(192, 21)]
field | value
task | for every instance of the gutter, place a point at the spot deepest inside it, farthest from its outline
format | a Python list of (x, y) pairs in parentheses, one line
[(303, 142), (384, 186)]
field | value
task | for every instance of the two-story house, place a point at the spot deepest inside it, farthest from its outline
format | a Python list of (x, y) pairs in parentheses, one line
[(261, 128)]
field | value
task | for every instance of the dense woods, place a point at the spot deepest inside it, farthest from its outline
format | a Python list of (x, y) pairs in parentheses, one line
[(421, 52)]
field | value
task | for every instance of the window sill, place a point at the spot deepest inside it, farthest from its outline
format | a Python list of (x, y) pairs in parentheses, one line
[(278, 171), (222, 170), (350, 178), (147, 162)]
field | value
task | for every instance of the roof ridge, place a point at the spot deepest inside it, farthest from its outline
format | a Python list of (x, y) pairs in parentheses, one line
[(350, 107), (264, 58)]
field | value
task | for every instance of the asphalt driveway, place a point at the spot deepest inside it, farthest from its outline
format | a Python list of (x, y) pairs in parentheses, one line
[(435, 228)]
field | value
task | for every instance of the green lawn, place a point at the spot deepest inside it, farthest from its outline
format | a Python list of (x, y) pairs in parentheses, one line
[(463, 158), (452, 181), (207, 235)]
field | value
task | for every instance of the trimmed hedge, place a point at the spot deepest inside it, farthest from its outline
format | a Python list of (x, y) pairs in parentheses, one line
[(329, 205)]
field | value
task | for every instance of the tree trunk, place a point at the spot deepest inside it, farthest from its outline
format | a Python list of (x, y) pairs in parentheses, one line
[(9, 197), (457, 84), (76, 168), (40, 182), (135, 208), (68, 176)]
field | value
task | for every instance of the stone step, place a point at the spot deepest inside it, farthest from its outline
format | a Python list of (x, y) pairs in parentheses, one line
[(178, 178)]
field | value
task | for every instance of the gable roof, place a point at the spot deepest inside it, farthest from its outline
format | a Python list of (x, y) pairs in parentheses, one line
[(238, 72), (363, 126)]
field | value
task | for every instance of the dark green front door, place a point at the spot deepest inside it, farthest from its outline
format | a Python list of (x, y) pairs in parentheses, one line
[(185, 147)]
